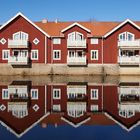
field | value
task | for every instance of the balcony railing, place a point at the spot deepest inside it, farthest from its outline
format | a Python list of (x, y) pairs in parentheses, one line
[(76, 60), (131, 91), (17, 43), (13, 60), (76, 43), (132, 43), (129, 60)]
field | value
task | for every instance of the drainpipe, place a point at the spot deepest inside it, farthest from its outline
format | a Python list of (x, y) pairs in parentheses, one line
[(103, 54)]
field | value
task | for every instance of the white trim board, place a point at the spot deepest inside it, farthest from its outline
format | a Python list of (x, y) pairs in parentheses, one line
[(75, 24), (120, 25), (20, 14)]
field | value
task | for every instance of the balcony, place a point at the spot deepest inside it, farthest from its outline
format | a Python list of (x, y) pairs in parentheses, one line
[(76, 43), (76, 60), (129, 44), (17, 43), (129, 90), (129, 60), (18, 60)]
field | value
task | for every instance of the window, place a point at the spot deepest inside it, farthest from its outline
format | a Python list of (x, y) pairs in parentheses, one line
[(56, 41), (56, 93), (5, 54), (34, 94), (94, 41), (75, 36), (5, 94), (34, 54), (56, 108), (126, 113), (126, 36), (94, 94), (56, 54), (94, 54), (94, 108), (20, 36)]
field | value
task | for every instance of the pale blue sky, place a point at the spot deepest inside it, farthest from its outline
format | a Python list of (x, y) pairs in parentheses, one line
[(71, 10)]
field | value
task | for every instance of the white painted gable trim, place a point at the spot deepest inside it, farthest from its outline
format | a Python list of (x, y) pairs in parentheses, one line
[(74, 24), (120, 25), (75, 125), (20, 14)]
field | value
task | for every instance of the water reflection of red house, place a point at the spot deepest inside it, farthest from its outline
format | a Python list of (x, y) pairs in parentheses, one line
[(122, 104), (75, 100), (22, 106)]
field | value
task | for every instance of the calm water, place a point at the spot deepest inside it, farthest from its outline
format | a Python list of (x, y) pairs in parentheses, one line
[(66, 108)]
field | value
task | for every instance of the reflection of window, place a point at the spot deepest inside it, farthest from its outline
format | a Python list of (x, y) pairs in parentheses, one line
[(20, 36), (56, 93), (5, 54), (94, 94), (126, 36), (34, 93), (126, 113), (94, 54), (5, 94)]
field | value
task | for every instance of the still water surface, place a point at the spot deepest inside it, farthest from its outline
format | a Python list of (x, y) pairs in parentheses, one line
[(65, 108)]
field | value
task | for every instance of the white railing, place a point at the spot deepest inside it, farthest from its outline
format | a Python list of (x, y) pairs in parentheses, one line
[(76, 60), (17, 43), (129, 59), (19, 60), (132, 43), (130, 106), (21, 91), (76, 43), (129, 91)]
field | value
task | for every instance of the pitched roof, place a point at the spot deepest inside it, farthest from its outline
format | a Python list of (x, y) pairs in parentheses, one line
[(96, 28)]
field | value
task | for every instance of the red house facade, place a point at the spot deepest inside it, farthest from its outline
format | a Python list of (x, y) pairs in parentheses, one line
[(24, 43)]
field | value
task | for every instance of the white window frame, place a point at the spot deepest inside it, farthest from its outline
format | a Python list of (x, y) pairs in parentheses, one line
[(20, 34), (54, 54), (3, 51), (3, 94), (94, 108), (73, 36), (32, 91), (94, 41), (59, 91), (32, 54), (126, 36), (94, 91), (56, 40), (97, 53), (56, 107)]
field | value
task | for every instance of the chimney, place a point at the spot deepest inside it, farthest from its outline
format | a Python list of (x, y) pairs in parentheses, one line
[(44, 20), (56, 20)]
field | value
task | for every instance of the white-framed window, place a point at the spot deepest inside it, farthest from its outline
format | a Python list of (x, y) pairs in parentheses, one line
[(56, 108), (20, 36), (34, 94), (126, 113), (56, 40), (5, 54), (5, 94), (94, 108), (56, 54), (94, 54), (126, 36), (94, 41), (94, 94), (75, 36), (34, 54), (56, 93)]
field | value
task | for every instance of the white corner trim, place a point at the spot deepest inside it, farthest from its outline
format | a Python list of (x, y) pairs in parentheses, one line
[(20, 14), (120, 25), (75, 23)]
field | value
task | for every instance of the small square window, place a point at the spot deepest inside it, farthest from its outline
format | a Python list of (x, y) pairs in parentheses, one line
[(94, 54), (5, 54), (94, 108), (56, 108), (34, 94), (56, 55), (56, 93), (3, 41), (56, 41), (94, 41), (94, 94), (34, 54), (36, 41)]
